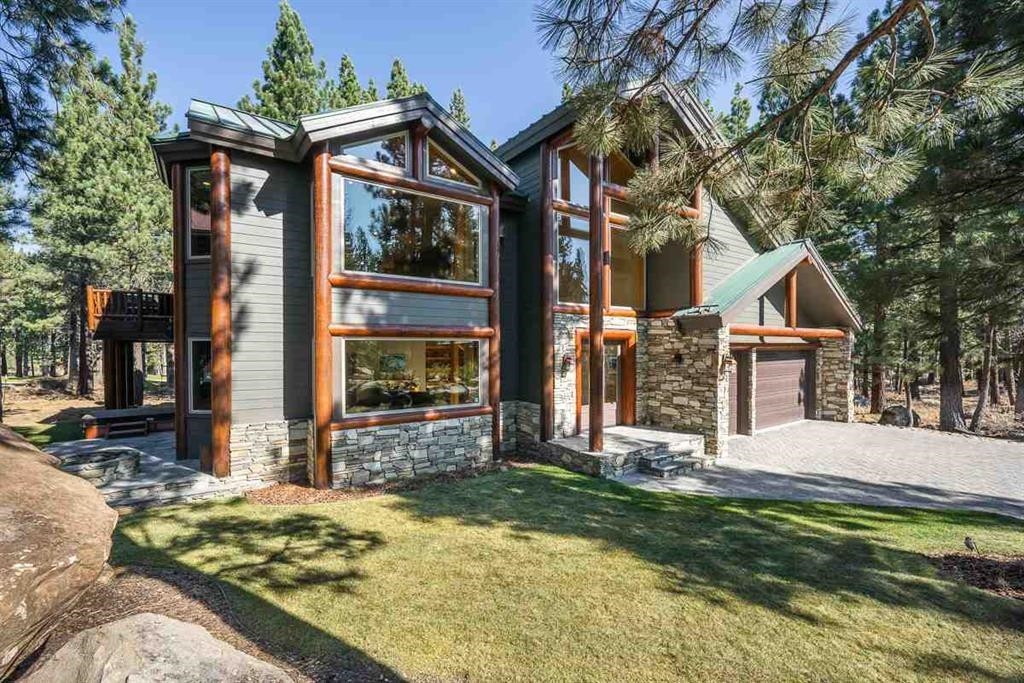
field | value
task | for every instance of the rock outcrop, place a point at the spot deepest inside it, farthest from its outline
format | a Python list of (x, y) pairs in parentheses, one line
[(54, 540), (152, 648), (899, 416)]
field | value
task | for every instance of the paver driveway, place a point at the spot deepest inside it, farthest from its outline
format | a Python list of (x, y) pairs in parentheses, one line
[(862, 463)]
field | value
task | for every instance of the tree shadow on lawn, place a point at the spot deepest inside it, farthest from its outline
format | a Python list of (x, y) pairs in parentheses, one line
[(244, 555), (765, 553)]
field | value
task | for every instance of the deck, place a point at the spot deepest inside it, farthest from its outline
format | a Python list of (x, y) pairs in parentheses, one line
[(125, 315)]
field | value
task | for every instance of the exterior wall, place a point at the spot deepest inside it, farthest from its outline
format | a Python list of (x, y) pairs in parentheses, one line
[(374, 307), (269, 451), (751, 404), (737, 246), (565, 325), (691, 395), (197, 326), (769, 309), (668, 278), (834, 379), (373, 455)]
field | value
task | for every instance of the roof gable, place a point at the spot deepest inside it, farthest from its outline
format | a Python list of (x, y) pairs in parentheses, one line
[(230, 127)]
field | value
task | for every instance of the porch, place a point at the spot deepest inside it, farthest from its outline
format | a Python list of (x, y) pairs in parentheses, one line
[(147, 471), (628, 449)]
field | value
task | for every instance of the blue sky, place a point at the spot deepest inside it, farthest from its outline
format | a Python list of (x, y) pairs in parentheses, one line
[(213, 50)]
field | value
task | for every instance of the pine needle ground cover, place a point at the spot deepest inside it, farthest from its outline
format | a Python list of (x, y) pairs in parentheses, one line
[(537, 574)]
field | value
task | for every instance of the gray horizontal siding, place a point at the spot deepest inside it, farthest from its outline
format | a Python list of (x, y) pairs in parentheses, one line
[(737, 247), (527, 281), (768, 309), (363, 306), (668, 277), (271, 297), (197, 299)]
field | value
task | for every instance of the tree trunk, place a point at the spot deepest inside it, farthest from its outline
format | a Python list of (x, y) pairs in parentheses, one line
[(53, 355), (951, 402), (877, 365), (985, 376), (1018, 406), (72, 348), (3, 357), (1010, 382), (169, 366), (993, 383), (84, 387), (915, 389)]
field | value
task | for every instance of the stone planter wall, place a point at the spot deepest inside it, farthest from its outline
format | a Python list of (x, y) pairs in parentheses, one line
[(834, 379), (269, 452), (373, 455)]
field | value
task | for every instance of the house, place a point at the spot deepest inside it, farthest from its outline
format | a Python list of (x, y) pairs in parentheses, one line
[(371, 293)]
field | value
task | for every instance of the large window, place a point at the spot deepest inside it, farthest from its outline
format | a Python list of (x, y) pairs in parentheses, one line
[(198, 213), (627, 272), (200, 376), (442, 167), (383, 375), (394, 232), (573, 259), (573, 184), (388, 150)]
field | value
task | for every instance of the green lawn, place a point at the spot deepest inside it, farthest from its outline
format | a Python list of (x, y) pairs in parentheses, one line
[(543, 575), (44, 434)]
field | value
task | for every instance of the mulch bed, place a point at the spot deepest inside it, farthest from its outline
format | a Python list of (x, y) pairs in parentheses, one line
[(1001, 575), (295, 494), (193, 598)]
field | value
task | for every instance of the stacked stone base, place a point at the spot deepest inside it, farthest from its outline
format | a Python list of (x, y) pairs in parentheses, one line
[(269, 452), (374, 455)]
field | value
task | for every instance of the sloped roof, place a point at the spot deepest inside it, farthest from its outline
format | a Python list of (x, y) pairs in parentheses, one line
[(221, 125), (759, 274)]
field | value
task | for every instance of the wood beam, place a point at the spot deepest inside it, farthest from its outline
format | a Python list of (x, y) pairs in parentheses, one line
[(425, 331), (429, 415), (390, 283), (547, 295), (697, 274), (494, 319), (419, 149), (598, 256), (791, 308), (802, 332), (179, 228), (355, 170), (323, 352), (220, 311)]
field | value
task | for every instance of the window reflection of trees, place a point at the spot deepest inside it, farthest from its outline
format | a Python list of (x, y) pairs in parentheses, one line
[(412, 235)]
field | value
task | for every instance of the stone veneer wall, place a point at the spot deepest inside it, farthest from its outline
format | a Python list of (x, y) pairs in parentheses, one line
[(373, 455), (691, 395), (750, 368), (269, 452), (834, 379), (565, 326)]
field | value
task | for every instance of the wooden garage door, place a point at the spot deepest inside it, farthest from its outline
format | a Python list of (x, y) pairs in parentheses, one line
[(784, 387)]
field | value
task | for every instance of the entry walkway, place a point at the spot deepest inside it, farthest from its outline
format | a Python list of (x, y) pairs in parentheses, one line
[(862, 463)]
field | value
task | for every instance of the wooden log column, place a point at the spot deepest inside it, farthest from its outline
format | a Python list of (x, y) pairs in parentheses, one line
[(547, 295), (220, 311), (791, 307), (598, 256), (179, 212), (323, 360), (494, 319), (697, 275)]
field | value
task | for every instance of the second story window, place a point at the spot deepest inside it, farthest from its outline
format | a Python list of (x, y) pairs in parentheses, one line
[(442, 167), (198, 213), (389, 150), (389, 231), (573, 183), (573, 259)]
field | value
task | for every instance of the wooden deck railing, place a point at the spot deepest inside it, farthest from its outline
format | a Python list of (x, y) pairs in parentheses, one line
[(126, 308)]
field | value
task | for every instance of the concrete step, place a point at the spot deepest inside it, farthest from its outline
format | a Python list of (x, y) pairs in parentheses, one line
[(124, 429), (670, 465)]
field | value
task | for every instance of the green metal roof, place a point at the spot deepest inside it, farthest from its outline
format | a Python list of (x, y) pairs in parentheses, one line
[(239, 120), (749, 277)]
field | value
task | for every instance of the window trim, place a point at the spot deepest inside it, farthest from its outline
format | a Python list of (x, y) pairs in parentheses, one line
[(557, 176), (482, 377), (480, 246), (643, 271), (373, 163), (191, 342), (554, 250), (448, 181), (188, 216)]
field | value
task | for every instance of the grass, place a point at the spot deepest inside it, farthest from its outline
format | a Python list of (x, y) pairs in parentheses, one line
[(44, 434), (543, 575)]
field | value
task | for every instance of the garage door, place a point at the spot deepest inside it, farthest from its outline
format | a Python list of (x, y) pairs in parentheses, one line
[(784, 387)]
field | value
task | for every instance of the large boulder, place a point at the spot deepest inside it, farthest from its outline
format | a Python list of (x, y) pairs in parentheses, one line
[(54, 540), (152, 648), (899, 416)]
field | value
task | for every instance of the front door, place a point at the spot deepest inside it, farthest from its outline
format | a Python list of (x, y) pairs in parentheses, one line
[(612, 385), (619, 378)]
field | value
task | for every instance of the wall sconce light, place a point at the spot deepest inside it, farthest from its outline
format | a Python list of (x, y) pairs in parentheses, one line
[(567, 361), (678, 359)]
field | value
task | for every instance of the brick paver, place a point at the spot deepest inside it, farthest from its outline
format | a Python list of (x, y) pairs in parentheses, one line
[(862, 463)]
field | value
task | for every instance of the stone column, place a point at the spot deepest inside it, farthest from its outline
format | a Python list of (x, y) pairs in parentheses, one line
[(751, 379), (834, 379)]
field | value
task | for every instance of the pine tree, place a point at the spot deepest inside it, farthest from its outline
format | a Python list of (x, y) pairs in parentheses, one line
[(566, 92), (351, 92), (399, 84), (734, 125), (457, 108), (371, 94), (293, 82)]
